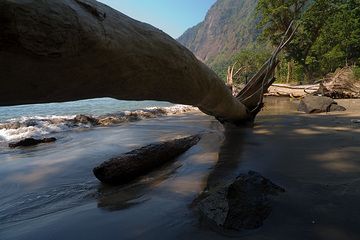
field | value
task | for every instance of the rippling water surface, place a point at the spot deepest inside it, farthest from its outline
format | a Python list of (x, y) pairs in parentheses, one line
[(48, 183), (49, 192)]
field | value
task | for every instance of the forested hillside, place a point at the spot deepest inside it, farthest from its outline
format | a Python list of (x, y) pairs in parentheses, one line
[(246, 31)]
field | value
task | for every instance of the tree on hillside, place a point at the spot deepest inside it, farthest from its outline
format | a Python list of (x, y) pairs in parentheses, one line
[(276, 16), (328, 34), (311, 15), (338, 43)]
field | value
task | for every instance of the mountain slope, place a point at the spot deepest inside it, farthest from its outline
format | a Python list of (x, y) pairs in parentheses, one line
[(228, 26)]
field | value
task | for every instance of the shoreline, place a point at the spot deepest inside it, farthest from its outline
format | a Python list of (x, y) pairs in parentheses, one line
[(45, 126), (319, 168)]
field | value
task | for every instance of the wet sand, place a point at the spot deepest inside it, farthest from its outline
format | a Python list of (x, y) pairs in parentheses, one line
[(314, 157)]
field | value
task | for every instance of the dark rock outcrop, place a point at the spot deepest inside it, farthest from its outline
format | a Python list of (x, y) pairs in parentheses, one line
[(243, 204), (140, 161), (318, 104), (84, 119), (31, 142)]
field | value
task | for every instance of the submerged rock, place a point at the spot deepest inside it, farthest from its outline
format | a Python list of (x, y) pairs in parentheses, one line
[(84, 119), (318, 104), (31, 142), (242, 204), (138, 162)]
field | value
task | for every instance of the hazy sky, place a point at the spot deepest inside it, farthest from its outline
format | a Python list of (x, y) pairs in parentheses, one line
[(171, 16)]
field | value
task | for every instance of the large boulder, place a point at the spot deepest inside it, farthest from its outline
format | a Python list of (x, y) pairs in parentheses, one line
[(243, 204), (318, 104)]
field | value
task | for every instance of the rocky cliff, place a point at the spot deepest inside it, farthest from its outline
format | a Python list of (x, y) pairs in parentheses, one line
[(228, 26)]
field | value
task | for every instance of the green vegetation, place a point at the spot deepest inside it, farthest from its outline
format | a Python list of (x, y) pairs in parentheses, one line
[(327, 38), (357, 72), (249, 60)]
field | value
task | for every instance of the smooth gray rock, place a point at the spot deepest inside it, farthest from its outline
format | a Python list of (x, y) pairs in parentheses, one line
[(318, 104)]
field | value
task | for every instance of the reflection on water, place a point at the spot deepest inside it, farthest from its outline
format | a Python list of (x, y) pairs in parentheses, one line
[(230, 152), (229, 157), (279, 105), (115, 198)]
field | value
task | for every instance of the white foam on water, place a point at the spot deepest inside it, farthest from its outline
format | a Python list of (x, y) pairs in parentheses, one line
[(39, 126)]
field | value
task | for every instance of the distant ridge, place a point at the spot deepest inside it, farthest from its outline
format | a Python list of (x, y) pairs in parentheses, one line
[(228, 26)]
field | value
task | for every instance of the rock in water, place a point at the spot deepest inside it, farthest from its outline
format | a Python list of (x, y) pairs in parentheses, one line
[(31, 142), (83, 119), (318, 104), (243, 204), (140, 161)]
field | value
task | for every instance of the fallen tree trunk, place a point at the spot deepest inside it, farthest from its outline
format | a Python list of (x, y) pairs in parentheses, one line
[(54, 51), (287, 90), (138, 162)]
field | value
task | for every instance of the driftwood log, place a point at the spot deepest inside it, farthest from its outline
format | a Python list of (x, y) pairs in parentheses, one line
[(138, 162), (341, 84), (295, 91), (63, 50)]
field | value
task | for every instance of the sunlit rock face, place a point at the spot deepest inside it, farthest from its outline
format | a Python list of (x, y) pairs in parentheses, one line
[(52, 51)]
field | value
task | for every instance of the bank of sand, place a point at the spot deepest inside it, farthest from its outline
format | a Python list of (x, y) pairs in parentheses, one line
[(317, 159), (314, 157)]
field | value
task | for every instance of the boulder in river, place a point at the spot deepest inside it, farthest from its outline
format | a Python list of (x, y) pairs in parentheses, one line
[(318, 104), (84, 119), (27, 142), (242, 204), (138, 162)]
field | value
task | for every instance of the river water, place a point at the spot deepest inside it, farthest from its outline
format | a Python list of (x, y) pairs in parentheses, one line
[(49, 185), (49, 192)]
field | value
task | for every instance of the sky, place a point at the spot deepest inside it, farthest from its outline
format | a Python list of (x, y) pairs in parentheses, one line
[(171, 16)]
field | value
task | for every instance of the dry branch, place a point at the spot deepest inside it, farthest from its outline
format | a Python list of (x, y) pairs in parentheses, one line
[(252, 94)]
